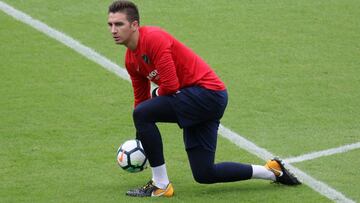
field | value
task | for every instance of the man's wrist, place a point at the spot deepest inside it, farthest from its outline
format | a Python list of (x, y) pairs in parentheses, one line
[(155, 92)]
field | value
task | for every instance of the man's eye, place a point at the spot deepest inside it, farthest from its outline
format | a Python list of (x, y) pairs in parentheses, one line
[(119, 24)]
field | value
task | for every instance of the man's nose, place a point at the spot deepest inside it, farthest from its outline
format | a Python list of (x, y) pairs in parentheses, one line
[(113, 29)]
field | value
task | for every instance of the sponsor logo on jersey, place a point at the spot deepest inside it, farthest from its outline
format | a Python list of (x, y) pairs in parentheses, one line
[(153, 75)]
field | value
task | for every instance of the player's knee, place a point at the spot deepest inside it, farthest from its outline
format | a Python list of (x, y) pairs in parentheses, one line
[(139, 113), (203, 178)]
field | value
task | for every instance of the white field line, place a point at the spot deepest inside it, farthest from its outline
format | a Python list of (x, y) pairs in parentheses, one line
[(262, 153), (327, 152), (63, 38), (242, 142)]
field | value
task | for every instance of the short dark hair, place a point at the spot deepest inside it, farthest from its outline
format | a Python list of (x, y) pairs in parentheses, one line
[(127, 7)]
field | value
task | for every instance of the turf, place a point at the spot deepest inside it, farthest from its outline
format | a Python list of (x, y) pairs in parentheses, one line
[(343, 168), (291, 70)]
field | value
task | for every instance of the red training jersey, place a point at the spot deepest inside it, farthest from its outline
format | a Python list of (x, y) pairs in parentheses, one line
[(162, 59)]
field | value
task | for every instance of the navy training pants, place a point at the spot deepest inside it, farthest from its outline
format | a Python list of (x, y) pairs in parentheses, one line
[(198, 111)]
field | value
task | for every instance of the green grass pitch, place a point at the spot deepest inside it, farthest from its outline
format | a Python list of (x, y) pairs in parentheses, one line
[(291, 69)]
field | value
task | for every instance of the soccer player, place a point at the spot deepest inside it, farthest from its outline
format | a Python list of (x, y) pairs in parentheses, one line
[(189, 93)]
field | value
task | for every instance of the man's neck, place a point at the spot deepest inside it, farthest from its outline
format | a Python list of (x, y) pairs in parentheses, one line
[(133, 42)]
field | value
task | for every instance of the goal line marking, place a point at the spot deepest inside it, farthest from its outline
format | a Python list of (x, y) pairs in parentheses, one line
[(328, 152)]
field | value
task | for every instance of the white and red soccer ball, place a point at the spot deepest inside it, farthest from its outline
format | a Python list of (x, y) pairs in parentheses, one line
[(131, 156)]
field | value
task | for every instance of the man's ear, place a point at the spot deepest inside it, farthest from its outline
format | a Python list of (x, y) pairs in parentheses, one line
[(134, 25)]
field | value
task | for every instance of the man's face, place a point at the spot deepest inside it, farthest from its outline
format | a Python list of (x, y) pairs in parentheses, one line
[(120, 28)]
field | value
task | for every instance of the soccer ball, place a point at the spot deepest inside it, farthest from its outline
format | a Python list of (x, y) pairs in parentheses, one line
[(131, 156)]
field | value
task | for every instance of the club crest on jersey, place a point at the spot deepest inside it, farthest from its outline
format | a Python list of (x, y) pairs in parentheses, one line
[(146, 59)]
